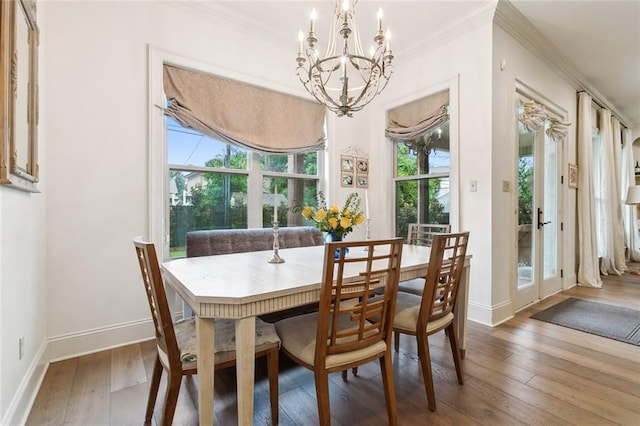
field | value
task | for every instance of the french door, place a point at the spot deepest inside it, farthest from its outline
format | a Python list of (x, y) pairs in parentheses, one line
[(539, 217)]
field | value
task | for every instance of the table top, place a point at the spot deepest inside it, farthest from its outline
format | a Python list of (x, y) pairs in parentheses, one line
[(241, 278)]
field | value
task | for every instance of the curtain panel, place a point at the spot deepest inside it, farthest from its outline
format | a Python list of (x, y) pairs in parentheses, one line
[(629, 212), (611, 237), (419, 117), (243, 115), (588, 273), (618, 197)]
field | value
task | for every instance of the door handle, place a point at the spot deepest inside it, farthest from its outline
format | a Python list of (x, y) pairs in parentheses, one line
[(540, 220)]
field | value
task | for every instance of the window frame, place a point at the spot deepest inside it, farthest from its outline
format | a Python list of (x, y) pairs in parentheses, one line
[(452, 85), (158, 170)]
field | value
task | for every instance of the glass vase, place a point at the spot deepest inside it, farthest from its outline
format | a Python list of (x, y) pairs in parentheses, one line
[(332, 237)]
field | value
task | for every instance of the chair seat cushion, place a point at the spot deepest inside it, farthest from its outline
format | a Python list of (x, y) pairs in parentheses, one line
[(414, 286), (407, 310), (298, 335), (224, 335)]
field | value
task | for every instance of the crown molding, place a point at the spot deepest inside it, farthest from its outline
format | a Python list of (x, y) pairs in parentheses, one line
[(223, 13), (517, 26), (479, 16)]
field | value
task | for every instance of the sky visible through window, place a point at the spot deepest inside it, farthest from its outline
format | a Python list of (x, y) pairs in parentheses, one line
[(190, 147)]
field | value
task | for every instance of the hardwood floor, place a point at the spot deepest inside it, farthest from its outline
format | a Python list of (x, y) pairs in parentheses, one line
[(522, 372)]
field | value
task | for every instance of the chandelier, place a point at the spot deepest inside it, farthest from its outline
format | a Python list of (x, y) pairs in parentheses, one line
[(346, 79)]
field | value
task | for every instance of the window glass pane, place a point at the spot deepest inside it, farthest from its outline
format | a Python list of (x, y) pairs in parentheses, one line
[(204, 201), (306, 163), (189, 147), (215, 199), (291, 192), (427, 154), (421, 201)]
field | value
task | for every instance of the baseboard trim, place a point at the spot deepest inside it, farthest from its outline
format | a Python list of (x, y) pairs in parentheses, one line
[(99, 339), (69, 346), (20, 406), (490, 315)]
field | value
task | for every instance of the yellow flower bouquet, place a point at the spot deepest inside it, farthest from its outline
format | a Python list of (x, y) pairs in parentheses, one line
[(335, 220)]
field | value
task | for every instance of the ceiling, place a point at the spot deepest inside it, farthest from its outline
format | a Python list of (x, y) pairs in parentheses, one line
[(601, 39)]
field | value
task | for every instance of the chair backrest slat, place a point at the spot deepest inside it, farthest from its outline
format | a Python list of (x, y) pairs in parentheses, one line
[(442, 282), (350, 316), (156, 295)]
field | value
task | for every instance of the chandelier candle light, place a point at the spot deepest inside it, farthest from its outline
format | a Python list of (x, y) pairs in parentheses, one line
[(346, 79)]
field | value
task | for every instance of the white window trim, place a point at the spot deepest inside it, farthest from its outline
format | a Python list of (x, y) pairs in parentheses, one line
[(452, 85)]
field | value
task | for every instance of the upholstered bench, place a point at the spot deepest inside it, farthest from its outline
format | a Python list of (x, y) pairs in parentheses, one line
[(226, 241)]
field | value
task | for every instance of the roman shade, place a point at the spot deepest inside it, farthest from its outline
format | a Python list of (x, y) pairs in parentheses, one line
[(240, 114), (416, 118)]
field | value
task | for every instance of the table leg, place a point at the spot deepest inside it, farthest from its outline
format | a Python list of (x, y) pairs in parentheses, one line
[(461, 308), (205, 333), (245, 363)]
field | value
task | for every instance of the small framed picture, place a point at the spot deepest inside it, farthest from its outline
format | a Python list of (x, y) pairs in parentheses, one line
[(346, 163), (346, 179), (362, 181), (573, 175), (362, 165)]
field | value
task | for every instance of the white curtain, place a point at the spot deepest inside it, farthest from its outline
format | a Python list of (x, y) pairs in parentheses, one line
[(629, 213), (588, 274), (609, 212)]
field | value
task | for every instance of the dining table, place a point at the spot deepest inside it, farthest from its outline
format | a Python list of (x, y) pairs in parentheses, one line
[(241, 286)]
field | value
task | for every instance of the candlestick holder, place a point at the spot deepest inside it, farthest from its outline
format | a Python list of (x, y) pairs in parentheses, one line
[(276, 245), (367, 230)]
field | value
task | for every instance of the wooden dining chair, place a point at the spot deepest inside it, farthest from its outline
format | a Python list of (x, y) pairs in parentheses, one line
[(434, 311), (350, 328), (176, 342), (421, 234)]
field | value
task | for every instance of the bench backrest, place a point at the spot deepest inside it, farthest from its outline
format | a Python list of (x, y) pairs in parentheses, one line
[(224, 241)]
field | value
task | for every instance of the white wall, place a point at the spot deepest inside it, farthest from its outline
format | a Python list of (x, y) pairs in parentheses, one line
[(23, 291), (463, 60), (521, 65), (97, 83)]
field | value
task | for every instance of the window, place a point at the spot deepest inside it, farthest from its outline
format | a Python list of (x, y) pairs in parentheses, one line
[(215, 185), (422, 167)]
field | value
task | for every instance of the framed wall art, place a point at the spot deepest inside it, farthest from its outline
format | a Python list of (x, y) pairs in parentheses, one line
[(346, 163), (362, 181), (573, 176), (19, 39), (362, 165), (346, 179)]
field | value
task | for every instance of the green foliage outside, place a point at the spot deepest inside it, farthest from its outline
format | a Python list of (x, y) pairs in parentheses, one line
[(408, 194), (525, 190), (210, 205)]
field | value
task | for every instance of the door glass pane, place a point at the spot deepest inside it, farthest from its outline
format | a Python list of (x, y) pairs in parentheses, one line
[(525, 206), (550, 231)]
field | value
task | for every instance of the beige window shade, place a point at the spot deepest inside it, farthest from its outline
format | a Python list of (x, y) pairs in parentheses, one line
[(244, 115), (416, 118)]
